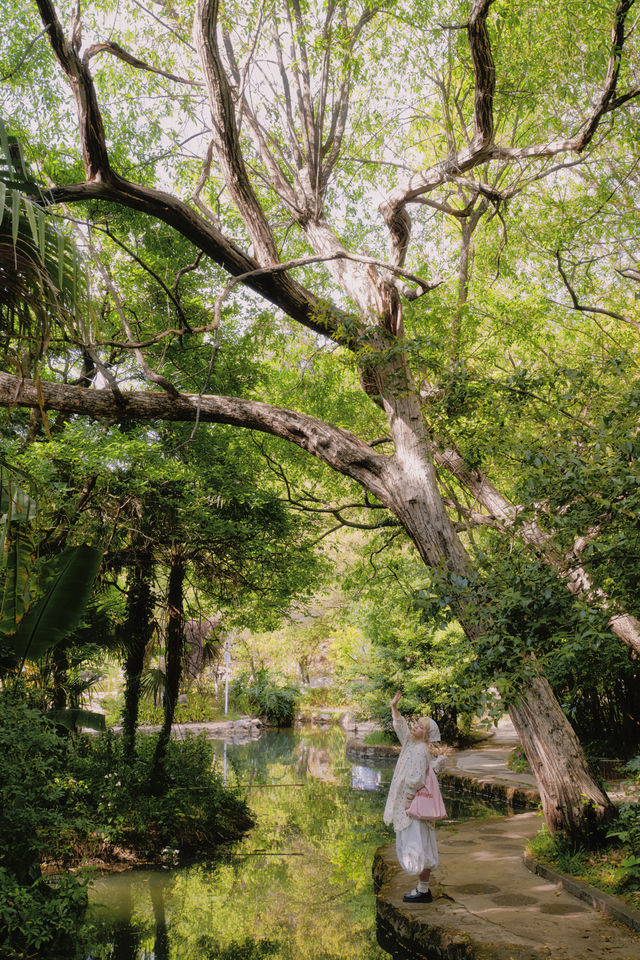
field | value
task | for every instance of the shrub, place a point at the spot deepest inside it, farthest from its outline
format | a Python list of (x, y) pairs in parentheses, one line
[(31, 756), (33, 914), (518, 761), (262, 695), (192, 810), (37, 916), (380, 738), (626, 830)]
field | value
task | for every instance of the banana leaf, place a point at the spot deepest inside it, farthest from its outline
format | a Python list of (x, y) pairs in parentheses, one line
[(74, 718), (58, 612), (16, 556), (15, 502)]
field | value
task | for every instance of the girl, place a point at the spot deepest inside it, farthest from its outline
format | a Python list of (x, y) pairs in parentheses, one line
[(415, 839)]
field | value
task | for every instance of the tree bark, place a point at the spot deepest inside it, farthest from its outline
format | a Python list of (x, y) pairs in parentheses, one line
[(175, 649), (138, 630), (572, 801), (571, 797)]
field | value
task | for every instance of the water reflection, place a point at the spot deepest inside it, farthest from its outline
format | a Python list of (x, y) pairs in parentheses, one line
[(298, 887), (365, 778)]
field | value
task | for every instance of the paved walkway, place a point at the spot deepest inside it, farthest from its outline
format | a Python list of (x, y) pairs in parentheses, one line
[(487, 904), (488, 760)]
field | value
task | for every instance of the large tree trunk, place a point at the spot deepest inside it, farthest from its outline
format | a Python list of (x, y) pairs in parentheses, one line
[(572, 801), (175, 649), (138, 630)]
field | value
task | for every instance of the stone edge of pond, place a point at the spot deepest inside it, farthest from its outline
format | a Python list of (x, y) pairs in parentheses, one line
[(489, 789), (401, 928), (603, 902), (365, 751)]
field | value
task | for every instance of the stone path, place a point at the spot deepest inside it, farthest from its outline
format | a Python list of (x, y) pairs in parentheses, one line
[(488, 760), (487, 904)]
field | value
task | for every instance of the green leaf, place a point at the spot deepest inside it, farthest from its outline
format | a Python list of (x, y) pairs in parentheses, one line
[(16, 196), (59, 611), (75, 718), (32, 218), (42, 224), (61, 253), (4, 142), (16, 559)]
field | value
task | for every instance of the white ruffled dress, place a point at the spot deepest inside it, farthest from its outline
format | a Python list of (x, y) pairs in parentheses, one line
[(415, 839)]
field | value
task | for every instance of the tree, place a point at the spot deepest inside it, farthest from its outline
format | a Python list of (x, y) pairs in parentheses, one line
[(289, 155)]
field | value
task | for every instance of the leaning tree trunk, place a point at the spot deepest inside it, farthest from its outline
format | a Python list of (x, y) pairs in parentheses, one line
[(572, 801), (138, 630), (175, 649)]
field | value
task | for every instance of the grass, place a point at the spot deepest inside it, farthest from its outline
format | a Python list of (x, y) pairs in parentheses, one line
[(602, 867), (378, 738), (518, 761)]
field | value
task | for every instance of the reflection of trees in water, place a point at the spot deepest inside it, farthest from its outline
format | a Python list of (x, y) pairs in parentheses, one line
[(251, 762), (125, 936), (248, 949), (320, 765), (161, 942)]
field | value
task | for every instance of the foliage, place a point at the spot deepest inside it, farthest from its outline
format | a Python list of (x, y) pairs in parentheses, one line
[(613, 866), (626, 830), (568, 856), (42, 283), (389, 644), (528, 621), (380, 738), (65, 584), (61, 798), (470, 364), (33, 826), (39, 918), (517, 761), (248, 949), (193, 812), (201, 706), (261, 694), (29, 759)]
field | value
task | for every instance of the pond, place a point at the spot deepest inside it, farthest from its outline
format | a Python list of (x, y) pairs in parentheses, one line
[(298, 887)]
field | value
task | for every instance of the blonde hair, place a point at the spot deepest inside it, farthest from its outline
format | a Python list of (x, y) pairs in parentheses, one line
[(430, 729)]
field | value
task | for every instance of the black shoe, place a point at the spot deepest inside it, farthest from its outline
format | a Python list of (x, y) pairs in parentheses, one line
[(416, 897)]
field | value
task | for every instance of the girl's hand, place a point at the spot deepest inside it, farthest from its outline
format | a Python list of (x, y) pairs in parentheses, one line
[(409, 801), (394, 702)]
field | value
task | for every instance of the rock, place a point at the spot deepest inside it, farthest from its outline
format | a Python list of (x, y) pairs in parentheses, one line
[(358, 750)]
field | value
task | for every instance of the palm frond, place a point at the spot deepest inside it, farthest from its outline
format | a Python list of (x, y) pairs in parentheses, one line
[(42, 280)]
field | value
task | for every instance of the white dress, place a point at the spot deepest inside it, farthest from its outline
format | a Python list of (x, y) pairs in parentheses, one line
[(415, 839)]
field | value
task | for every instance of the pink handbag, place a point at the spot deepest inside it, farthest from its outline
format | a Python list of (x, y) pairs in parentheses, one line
[(427, 803)]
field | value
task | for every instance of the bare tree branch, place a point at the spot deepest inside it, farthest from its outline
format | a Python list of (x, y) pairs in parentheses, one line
[(226, 134), (92, 133), (116, 50), (482, 149), (582, 308)]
